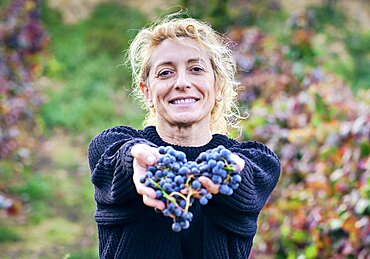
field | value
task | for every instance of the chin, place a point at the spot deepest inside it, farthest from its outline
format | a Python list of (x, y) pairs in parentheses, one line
[(184, 123), (184, 119)]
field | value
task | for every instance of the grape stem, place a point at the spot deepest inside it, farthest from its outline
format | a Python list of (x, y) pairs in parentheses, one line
[(165, 194), (172, 199)]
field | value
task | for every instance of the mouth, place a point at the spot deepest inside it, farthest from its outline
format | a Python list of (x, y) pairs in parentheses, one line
[(186, 100)]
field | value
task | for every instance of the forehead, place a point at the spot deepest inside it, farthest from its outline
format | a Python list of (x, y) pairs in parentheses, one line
[(177, 50)]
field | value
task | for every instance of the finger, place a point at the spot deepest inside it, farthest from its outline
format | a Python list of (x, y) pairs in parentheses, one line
[(153, 150), (153, 202), (239, 161), (184, 191), (196, 195), (139, 172), (209, 185), (145, 154), (143, 190)]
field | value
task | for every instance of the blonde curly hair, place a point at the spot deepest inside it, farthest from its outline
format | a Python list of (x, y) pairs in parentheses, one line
[(225, 114)]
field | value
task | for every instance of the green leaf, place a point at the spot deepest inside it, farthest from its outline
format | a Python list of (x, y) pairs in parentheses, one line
[(310, 251), (299, 236), (365, 148)]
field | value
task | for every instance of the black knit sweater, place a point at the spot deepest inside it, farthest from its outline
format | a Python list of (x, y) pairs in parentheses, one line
[(224, 228)]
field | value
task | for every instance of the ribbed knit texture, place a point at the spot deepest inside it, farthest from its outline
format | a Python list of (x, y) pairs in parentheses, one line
[(224, 228)]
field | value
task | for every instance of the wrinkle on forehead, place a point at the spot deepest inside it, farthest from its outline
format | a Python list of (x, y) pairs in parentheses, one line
[(186, 41)]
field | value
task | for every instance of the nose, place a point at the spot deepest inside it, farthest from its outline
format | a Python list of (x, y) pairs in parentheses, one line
[(182, 81)]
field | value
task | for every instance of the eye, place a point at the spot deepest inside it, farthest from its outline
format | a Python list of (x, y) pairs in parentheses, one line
[(165, 73), (197, 69)]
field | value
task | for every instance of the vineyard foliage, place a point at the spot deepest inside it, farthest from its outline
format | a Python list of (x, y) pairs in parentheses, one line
[(293, 89), (22, 38), (321, 133)]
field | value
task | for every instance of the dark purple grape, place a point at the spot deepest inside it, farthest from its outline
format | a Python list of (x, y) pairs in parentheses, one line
[(185, 224), (182, 204), (179, 180), (166, 212), (203, 200), (224, 189), (184, 170), (196, 184), (216, 179), (162, 150), (236, 178), (188, 216), (142, 179), (158, 194), (181, 156), (176, 227)]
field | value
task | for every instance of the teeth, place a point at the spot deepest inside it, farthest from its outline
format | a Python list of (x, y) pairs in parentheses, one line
[(184, 101)]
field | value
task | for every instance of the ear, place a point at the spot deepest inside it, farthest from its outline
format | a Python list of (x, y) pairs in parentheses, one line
[(148, 97), (218, 91), (145, 90)]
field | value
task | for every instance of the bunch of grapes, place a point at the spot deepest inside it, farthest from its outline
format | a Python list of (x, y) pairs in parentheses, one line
[(175, 180)]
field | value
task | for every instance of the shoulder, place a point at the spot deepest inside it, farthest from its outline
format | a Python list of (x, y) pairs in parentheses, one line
[(255, 150), (114, 134), (243, 145), (126, 130), (254, 145)]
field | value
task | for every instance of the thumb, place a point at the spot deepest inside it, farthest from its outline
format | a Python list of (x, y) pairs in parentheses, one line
[(144, 154), (239, 161)]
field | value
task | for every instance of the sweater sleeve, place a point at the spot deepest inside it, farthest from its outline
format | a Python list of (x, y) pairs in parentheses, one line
[(110, 162), (238, 213)]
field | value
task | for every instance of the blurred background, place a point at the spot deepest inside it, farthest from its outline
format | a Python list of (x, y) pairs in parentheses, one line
[(305, 71)]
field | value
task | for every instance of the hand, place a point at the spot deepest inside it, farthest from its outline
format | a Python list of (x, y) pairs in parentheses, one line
[(145, 156), (214, 188)]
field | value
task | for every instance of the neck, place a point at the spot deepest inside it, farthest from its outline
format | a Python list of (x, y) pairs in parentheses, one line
[(191, 136)]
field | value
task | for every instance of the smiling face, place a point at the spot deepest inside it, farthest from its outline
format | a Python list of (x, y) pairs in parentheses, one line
[(181, 84)]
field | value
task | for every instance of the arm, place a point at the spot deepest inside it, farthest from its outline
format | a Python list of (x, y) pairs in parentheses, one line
[(238, 213), (111, 165)]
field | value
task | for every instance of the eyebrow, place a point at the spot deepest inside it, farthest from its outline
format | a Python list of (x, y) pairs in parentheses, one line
[(192, 60)]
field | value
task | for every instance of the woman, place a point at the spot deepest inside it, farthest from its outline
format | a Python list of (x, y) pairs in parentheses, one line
[(185, 72)]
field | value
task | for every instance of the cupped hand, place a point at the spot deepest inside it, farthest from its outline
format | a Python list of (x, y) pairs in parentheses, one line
[(145, 156)]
